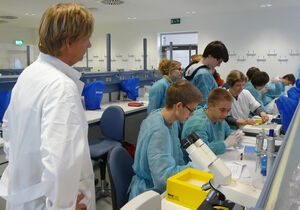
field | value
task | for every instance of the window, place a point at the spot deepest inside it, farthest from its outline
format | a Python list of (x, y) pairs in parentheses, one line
[(184, 45)]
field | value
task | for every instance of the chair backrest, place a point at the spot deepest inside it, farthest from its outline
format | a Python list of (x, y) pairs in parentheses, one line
[(112, 123), (119, 165)]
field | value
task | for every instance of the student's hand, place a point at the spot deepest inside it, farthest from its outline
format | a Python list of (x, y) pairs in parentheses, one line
[(250, 122), (275, 80), (264, 117), (233, 139), (80, 206)]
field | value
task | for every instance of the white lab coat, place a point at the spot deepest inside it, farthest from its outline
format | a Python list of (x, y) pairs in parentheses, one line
[(45, 140), (241, 107)]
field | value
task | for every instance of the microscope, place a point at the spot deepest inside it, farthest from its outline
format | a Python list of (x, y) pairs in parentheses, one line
[(222, 185)]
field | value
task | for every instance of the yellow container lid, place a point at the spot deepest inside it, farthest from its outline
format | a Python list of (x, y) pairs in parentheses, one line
[(184, 188)]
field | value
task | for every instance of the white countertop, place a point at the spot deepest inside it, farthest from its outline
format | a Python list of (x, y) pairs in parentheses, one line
[(93, 116)]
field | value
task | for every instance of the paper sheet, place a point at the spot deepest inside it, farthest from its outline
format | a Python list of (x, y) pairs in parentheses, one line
[(236, 169)]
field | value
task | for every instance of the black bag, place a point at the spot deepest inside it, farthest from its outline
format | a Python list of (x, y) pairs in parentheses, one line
[(189, 73)]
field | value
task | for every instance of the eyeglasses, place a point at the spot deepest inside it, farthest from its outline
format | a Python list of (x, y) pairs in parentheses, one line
[(188, 108)]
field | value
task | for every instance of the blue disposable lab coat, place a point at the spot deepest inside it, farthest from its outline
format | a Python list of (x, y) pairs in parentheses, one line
[(205, 82), (157, 95), (158, 155), (256, 94), (275, 90), (213, 134)]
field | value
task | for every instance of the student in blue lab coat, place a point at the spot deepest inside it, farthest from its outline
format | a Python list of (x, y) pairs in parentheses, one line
[(159, 154), (214, 54), (210, 125), (276, 87), (256, 85), (171, 71)]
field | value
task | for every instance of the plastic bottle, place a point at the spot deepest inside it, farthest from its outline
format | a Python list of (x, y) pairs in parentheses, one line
[(295, 189), (146, 96), (270, 150), (263, 165), (259, 148)]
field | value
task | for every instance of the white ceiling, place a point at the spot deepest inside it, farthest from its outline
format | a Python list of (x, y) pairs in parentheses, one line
[(141, 9)]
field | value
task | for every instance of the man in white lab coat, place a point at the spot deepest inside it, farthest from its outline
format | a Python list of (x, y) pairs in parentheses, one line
[(44, 127)]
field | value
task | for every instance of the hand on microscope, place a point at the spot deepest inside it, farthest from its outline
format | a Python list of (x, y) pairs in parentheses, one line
[(233, 139), (264, 117)]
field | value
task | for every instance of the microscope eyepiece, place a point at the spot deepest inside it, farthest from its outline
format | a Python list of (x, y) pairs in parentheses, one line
[(189, 140)]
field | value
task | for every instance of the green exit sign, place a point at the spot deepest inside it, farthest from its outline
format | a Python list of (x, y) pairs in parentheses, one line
[(19, 42), (175, 21)]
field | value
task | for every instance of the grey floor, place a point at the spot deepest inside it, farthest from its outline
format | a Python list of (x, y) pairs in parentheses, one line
[(104, 204)]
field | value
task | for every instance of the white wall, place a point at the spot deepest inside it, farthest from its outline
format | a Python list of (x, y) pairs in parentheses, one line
[(9, 51), (262, 31)]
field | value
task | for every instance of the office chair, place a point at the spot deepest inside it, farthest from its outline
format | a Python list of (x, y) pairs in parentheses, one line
[(112, 128), (119, 165)]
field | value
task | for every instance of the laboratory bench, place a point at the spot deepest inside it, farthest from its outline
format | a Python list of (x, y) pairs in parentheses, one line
[(94, 116), (243, 168), (133, 119)]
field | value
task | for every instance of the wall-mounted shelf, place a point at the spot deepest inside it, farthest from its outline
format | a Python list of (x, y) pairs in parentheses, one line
[(124, 60), (283, 59), (272, 53), (232, 54), (241, 59), (251, 53), (261, 59), (119, 56), (294, 53), (130, 56)]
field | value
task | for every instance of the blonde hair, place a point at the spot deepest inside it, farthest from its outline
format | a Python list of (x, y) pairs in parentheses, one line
[(219, 94), (196, 58), (165, 66), (62, 21), (182, 91), (235, 76)]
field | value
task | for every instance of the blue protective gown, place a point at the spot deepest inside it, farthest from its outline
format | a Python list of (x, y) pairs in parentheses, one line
[(157, 95), (213, 134), (256, 94), (275, 90), (158, 155), (205, 82)]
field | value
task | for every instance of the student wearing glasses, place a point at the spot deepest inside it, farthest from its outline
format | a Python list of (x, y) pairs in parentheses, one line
[(214, 54), (171, 71), (158, 154), (210, 125)]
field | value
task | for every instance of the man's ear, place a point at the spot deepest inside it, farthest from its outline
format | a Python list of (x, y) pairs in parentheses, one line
[(67, 42), (178, 105)]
